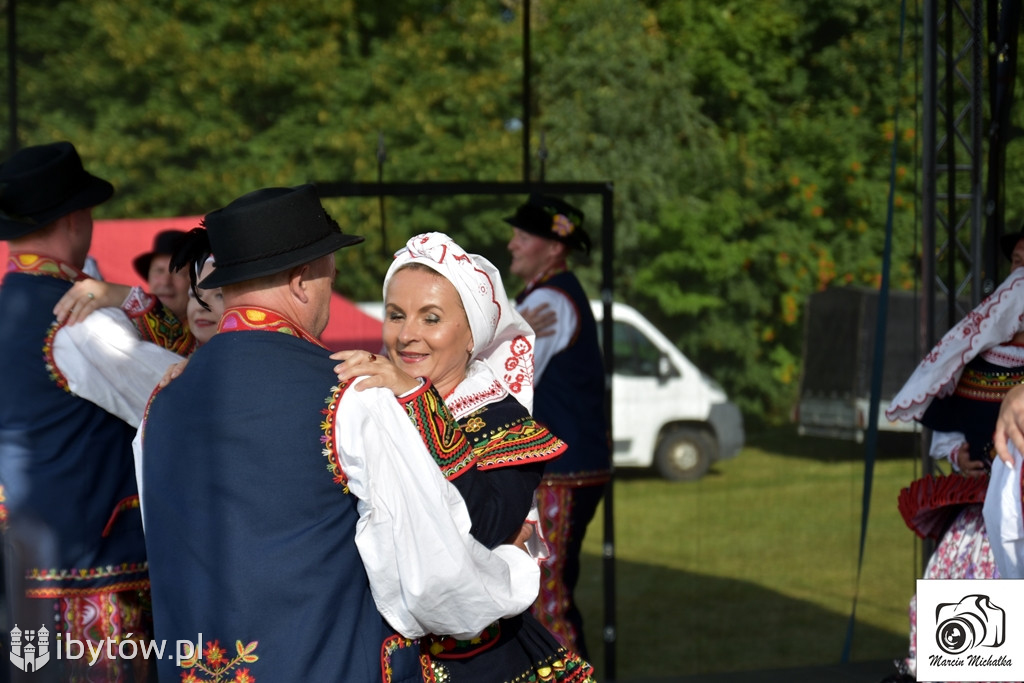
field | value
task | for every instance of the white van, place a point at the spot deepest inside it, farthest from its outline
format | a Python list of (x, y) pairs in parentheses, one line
[(666, 413)]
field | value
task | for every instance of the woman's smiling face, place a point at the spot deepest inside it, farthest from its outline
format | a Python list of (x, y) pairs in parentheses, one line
[(426, 332)]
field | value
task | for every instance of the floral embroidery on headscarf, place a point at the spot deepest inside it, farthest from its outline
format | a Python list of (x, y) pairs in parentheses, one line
[(521, 360)]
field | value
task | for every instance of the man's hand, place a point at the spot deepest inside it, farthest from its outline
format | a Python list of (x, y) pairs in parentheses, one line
[(85, 296), (1010, 424), (541, 318)]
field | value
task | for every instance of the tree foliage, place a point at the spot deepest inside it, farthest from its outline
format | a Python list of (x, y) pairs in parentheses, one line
[(748, 143)]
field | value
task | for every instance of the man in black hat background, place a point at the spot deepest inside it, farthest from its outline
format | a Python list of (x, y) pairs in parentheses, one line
[(154, 266), (250, 528), (70, 402), (568, 399)]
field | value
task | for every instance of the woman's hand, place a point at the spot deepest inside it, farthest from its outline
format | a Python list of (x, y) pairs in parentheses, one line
[(380, 372), (172, 373), (85, 296), (1010, 424)]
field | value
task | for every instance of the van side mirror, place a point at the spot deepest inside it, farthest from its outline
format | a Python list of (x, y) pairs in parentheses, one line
[(666, 370)]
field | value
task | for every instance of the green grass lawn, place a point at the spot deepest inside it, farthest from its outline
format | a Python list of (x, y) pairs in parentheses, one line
[(755, 565)]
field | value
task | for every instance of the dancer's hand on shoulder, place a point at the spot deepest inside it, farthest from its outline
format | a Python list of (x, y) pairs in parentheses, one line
[(379, 372)]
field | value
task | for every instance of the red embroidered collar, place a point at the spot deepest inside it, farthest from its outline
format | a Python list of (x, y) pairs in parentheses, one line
[(546, 275), (34, 264), (243, 318)]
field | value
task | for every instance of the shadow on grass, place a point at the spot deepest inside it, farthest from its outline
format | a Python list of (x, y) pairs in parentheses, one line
[(675, 623), (786, 441)]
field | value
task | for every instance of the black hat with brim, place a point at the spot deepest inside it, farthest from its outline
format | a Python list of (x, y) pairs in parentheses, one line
[(554, 219), (40, 184), (1009, 242), (270, 231), (166, 243)]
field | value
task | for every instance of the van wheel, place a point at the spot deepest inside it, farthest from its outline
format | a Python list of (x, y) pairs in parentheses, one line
[(685, 454)]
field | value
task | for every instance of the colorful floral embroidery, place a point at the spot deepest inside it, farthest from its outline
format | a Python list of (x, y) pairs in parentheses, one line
[(86, 574), (986, 386), (52, 370), (440, 433), (447, 647), (474, 424), (392, 645), (330, 450), (238, 319), (33, 264), (162, 328), (513, 444), (214, 666)]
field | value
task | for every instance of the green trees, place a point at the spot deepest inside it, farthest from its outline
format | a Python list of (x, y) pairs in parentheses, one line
[(748, 143)]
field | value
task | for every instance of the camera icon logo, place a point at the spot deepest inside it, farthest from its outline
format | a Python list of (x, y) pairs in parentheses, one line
[(972, 622)]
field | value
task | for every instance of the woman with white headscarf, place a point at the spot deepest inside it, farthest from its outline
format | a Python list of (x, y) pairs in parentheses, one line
[(448, 325), (956, 391)]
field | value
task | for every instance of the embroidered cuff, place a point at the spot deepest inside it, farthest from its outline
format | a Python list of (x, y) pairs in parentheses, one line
[(137, 303), (440, 432), (952, 457)]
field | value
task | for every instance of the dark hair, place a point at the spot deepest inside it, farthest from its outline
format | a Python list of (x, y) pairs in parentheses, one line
[(192, 253)]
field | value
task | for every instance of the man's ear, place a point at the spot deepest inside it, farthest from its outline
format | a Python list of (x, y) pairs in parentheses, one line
[(559, 250), (298, 282)]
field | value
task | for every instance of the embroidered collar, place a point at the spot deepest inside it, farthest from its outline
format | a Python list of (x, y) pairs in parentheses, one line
[(246, 318), (1005, 355), (35, 264), (478, 389), (554, 270)]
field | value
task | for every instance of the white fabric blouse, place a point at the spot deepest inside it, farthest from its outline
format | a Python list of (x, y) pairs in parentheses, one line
[(427, 573), (1002, 512), (105, 362)]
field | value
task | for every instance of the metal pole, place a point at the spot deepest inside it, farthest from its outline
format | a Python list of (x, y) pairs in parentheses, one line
[(526, 91), (607, 330), (928, 214), (12, 77)]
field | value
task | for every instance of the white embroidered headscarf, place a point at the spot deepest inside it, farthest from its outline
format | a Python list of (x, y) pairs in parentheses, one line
[(990, 325), (502, 339)]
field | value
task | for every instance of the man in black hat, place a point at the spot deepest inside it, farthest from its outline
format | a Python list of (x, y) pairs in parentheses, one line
[(154, 266), (71, 399), (568, 399), (251, 531)]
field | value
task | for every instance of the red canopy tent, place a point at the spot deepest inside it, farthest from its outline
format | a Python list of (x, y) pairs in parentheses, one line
[(116, 242)]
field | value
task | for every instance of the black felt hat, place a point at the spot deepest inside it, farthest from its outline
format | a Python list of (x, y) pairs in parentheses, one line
[(1009, 242), (269, 231), (166, 243), (554, 219), (40, 184)]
